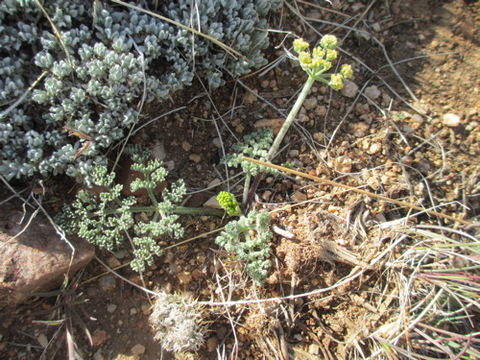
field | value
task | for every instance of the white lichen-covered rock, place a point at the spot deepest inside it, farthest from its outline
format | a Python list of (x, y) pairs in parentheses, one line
[(177, 323)]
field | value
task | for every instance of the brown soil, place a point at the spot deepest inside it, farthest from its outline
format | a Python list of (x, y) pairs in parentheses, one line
[(384, 145)]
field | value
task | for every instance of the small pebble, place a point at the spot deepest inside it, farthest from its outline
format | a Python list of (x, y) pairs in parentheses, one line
[(303, 118), (216, 141), (372, 92), (195, 158), (362, 109), (184, 277), (158, 151), (42, 340), (170, 165), (111, 308), (212, 344), (360, 129), (265, 84), (215, 182), (99, 337), (221, 332), (250, 98), (120, 254), (310, 103), (266, 195), (107, 283), (186, 146), (343, 164), (293, 153), (350, 89), (299, 196), (98, 355), (374, 148), (197, 274), (451, 120), (133, 311), (138, 349), (113, 262), (274, 124), (319, 136), (314, 349), (321, 110), (212, 203)]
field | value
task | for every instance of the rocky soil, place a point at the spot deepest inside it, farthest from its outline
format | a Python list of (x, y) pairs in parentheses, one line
[(406, 127)]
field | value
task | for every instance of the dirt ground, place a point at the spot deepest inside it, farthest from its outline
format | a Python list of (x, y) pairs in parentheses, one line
[(418, 61)]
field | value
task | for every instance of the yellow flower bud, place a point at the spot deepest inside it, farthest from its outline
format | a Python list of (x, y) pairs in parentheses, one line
[(336, 82), (331, 55), (300, 45), (319, 66), (346, 71), (304, 58), (318, 52), (329, 42)]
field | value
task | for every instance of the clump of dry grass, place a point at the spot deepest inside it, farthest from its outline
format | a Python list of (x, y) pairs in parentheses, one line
[(438, 291)]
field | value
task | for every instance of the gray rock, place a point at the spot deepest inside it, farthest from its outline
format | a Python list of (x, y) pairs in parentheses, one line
[(107, 283), (372, 92), (350, 89), (217, 143), (138, 350), (36, 260), (310, 103), (158, 151)]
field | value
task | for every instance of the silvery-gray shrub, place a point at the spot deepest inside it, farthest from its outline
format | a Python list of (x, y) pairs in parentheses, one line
[(101, 68)]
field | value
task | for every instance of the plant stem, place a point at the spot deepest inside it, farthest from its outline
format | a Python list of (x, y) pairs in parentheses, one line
[(180, 210), (291, 116), (246, 188), (183, 210)]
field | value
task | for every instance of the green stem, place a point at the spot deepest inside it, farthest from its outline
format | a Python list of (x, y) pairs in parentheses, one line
[(154, 201), (180, 210), (291, 116)]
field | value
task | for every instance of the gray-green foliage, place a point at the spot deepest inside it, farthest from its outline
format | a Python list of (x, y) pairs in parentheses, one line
[(255, 145), (104, 217), (113, 60), (248, 239)]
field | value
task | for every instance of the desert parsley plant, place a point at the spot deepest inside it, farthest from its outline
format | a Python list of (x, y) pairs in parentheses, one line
[(248, 239), (106, 218), (256, 145), (316, 64)]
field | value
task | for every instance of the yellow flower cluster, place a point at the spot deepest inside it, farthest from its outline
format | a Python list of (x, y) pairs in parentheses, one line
[(320, 60)]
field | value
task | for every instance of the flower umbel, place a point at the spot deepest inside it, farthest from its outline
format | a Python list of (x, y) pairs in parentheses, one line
[(346, 71), (329, 42), (320, 60), (300, 45), (336, 82), (229, 203)]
